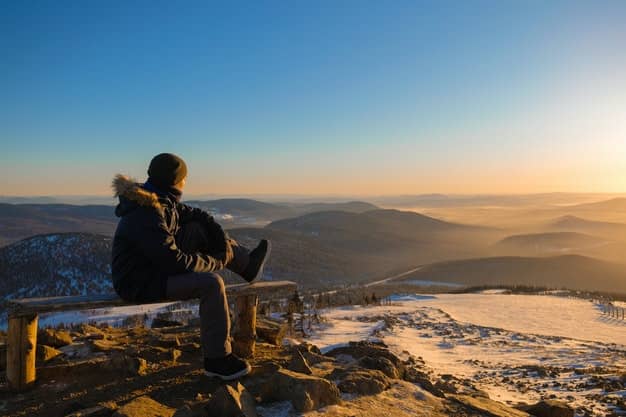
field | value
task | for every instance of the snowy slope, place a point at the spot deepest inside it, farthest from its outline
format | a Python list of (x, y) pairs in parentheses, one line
[(514, 347)]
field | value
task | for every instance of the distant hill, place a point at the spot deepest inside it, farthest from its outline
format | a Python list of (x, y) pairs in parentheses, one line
[(570, 271), (546, 243), (56, 264), (392, 223), (247, 211), (613, 205), (578, 224), (18, 221)]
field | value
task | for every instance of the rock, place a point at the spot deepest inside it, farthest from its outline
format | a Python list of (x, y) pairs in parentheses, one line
[(306, 392), (315, 358), (91, 332), (79, 350), (158, 323), (232, 400), (271, 331), (71, 370), (175, 354), (54, 338), (417, 377), (45, 353), (118, 363), (380, 363), (106, 345), (168, 341), (362, 349), (128, 364), (144, 406), (299, 364), (549, 408), (364, 382), (308, 347), (488, 407), (97, 411)]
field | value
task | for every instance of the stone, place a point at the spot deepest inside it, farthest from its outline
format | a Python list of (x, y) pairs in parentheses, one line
[(45, 353), (271, 331), (175, 354), (144, 406), (549, 408), (106, 345), (365, 382), (54, 338), (305, 392), (299, 364), (231, 400), (97, 411), (158, 323), (358, 350), (488, 407), (128, 364), (315, 358), (380, 363), (91, 332), (418, 377), (168, 341)]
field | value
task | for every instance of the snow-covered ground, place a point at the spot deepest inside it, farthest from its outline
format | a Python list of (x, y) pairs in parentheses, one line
[(515, 347)]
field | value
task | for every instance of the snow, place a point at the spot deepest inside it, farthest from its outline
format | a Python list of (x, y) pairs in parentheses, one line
[(113, 316), (495, 340)]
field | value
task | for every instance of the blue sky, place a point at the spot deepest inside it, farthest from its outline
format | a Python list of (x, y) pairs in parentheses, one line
[(315, 97)]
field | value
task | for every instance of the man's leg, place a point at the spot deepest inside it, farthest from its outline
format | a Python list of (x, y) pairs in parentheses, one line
[(192, 237), (214, 315)]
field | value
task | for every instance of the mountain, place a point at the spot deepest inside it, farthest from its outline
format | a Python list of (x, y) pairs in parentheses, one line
[(396, 223), (613, 205), (18, 221), (333, 247), (578, 224), (242, 211), (545, 243), (570, 271), (56, 264)]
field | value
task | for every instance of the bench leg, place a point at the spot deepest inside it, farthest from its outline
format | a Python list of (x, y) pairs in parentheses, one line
[(244, 332), (21, 350)]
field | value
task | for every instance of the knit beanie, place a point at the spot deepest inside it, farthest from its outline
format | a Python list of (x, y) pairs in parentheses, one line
[(167, 169)]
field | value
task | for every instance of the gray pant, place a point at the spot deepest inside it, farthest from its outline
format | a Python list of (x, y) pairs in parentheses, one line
[(209, 288)]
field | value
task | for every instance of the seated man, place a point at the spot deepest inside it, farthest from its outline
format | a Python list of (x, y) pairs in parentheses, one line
[(165, 250)]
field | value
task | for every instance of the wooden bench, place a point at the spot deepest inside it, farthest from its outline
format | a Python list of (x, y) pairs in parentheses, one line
[(23, 321)]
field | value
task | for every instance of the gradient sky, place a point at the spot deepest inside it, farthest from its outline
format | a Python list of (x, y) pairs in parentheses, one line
[(317, 97)]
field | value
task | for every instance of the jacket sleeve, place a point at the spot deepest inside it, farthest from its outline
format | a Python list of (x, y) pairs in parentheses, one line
[(159, 245), (188, 213)]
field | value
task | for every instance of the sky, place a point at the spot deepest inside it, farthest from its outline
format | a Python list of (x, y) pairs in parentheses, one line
[(320, 98)]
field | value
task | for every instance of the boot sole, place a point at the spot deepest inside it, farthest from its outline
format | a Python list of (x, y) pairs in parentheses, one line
[(260, 271), (230, 377)]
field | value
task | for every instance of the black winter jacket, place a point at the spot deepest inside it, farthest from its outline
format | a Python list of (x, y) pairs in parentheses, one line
[(145, 253)]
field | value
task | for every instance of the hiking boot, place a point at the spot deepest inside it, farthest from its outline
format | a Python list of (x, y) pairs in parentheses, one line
[(258, 256), (227, 368)]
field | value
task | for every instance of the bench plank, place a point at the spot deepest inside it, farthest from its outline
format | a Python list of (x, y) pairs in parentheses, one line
[(26, 306)]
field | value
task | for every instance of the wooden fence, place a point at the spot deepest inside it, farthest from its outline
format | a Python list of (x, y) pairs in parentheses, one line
[(613, 311)]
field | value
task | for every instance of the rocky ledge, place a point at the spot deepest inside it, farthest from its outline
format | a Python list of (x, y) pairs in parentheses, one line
[(138, 372)]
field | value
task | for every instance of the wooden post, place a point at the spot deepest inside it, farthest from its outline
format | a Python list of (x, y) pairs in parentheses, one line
[(21, 350), (244, 333)]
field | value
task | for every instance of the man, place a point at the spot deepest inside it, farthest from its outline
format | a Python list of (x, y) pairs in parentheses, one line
[(165, 250)]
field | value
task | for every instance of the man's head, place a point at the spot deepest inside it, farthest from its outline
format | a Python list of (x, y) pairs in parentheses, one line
[(167, 170)]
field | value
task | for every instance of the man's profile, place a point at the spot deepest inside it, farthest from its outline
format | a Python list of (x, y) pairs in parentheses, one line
[(166, 250)]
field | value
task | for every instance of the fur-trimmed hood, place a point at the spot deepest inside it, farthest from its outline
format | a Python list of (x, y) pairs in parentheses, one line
[(131, 193)]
